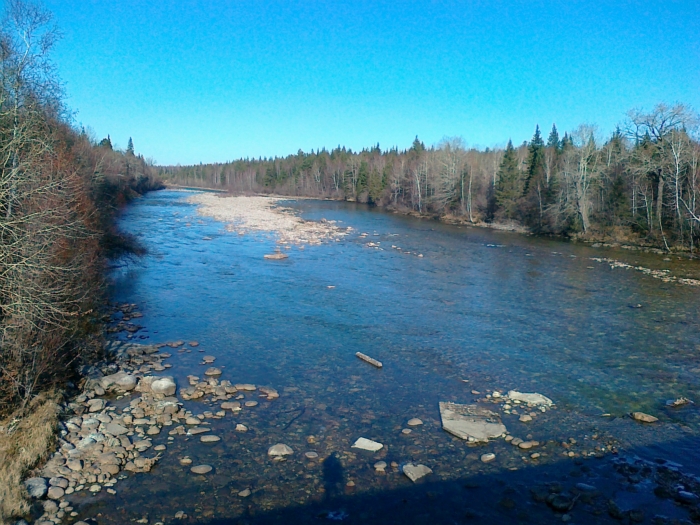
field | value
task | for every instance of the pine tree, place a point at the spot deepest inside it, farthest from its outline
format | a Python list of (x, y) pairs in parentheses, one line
[(130, 147), (508, 184), (535, 182)]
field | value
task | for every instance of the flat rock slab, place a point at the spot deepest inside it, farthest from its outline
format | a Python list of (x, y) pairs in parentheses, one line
[(415, 472), (644, 418), (213, 371), (533, 399), (280, 449), (210, 439), (198, 430), (367, 444), (116, 429), (471, 422)]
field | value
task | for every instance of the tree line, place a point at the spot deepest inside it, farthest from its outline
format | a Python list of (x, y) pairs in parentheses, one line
[(59, 192), (641, 184)]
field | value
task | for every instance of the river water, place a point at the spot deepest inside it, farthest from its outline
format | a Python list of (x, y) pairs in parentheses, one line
[(479, 310)]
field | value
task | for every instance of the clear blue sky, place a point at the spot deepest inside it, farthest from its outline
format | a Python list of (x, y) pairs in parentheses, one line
[(211, 80)]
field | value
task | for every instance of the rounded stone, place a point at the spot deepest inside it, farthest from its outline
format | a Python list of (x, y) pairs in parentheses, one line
[(380, 466), (251, 403), (414, 422), (488, 457), (165, 386), (244, 493), (213, 371), (201, 469), (55, 492), (209, 439), (311, 454)]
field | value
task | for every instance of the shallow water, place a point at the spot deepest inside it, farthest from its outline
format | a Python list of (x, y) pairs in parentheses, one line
[(480, 310)]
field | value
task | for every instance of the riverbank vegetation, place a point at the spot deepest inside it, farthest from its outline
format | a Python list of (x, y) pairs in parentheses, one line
[(59, 192), (641, 184)]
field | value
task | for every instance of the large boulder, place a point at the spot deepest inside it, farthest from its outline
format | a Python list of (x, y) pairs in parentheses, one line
[(36, 487), (164, 386)]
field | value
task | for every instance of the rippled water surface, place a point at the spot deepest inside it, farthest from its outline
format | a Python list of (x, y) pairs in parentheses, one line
[(480, 310)]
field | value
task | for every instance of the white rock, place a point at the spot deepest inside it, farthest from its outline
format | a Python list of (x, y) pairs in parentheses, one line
[(531, 399), (280, 449), (415, 472), (414, 422), (165, 386), (367, 444), (126, 383), (488, 457)]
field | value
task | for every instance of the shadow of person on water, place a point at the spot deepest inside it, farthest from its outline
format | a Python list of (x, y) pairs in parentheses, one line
[(332, 477)]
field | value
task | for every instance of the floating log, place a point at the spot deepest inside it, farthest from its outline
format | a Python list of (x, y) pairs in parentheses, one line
[(369, 360)]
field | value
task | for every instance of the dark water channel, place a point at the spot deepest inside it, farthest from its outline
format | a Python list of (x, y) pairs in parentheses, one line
[(480, 310)]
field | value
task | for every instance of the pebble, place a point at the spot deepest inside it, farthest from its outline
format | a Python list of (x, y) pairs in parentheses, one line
[(415, 472), (186, 461), (201, 469), (525, 418), (95, 488), (244, 493), (213, 371), (159, 448), (311, 454), (241, 428), (535, 455), (208, 359), (488, 457), (406, 431), (210, 439), (251, 403), (414, 422), (379, 466)]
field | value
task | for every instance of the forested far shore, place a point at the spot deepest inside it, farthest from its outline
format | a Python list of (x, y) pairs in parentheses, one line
[(639, 185)]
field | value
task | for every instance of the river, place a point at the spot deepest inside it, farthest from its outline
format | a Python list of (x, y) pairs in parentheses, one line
[(448, 310)]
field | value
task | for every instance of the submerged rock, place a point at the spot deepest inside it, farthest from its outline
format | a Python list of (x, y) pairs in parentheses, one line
[(280, 449), (414, 422), (644, 418), (367, 444), (470, 422), (415, 472), (201, 469)]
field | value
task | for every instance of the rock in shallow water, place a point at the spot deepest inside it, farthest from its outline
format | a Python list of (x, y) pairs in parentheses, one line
[(644, 418), (201, 469), (414, 422), (367, 444), (470, 422), (416, 472), (488, 457), (210, 439), (164, 385), (280, 449)]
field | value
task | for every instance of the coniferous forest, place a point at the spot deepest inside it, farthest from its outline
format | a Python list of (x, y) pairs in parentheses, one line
[(639, 185)]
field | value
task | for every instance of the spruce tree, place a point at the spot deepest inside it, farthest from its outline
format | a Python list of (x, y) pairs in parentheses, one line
[(508, 184), (106, 143), (130, 147), (553, 140)]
